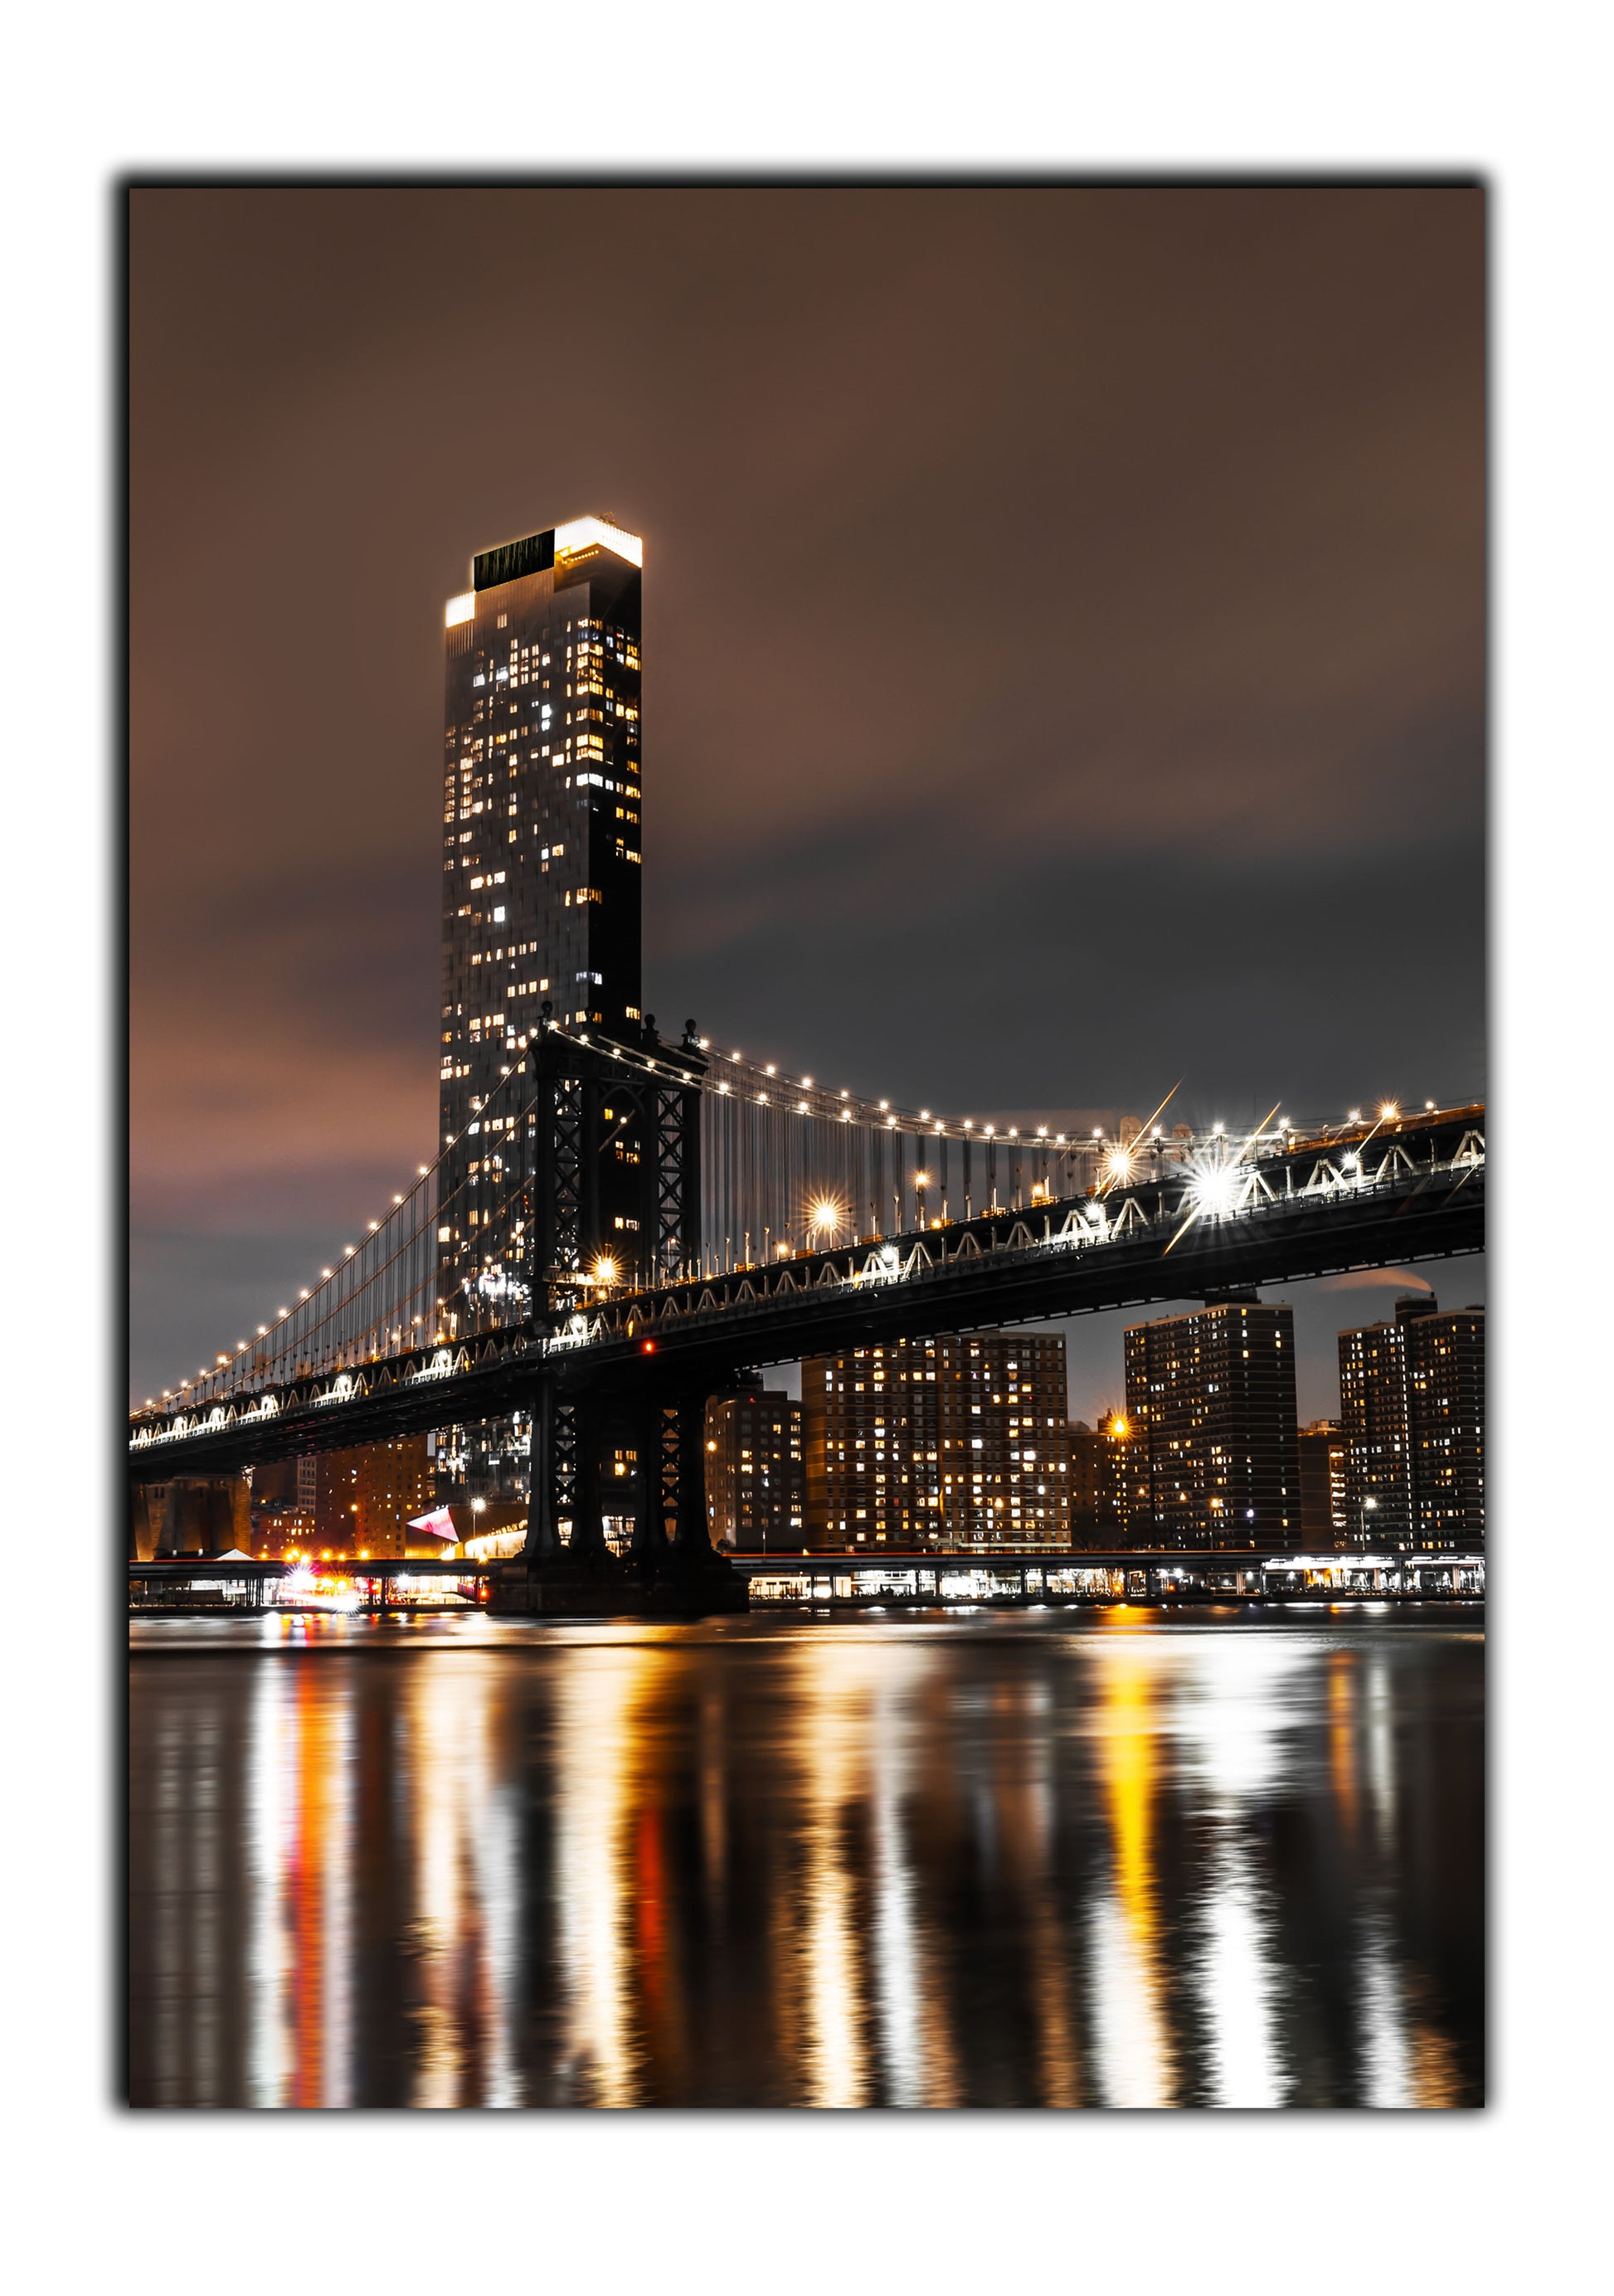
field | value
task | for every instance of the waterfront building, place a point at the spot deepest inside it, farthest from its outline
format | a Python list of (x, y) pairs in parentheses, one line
[(1211, 1398), (756, 1487), (1324, 1492), (1085, 1488), (281, 1527), (1377, 1436), (365, 1498), (958, 1441), (1412, 1395), (1104, 1487), (1446, 1380)]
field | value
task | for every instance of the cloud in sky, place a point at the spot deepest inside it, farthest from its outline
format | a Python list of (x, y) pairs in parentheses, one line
[(1064, 649), (1376, 1279)]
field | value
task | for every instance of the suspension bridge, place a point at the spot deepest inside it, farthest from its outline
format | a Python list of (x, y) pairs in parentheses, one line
[(775, 1218)]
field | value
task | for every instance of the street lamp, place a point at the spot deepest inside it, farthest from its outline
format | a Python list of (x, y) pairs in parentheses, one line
[(921, 1181), (1368, 1507)]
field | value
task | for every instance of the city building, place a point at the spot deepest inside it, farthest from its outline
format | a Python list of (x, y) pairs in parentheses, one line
[(280, 1529), (1084, 1491), (951, 1442), (362, 1500), (1324, 1490), (1377, 1436), (1105, 1490), (1412, 1398), (756, 1488), (1211, 1397), (541, 898), (1446, 1379)]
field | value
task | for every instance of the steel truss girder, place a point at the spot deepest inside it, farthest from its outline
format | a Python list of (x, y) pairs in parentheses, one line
[(1422, 1218)]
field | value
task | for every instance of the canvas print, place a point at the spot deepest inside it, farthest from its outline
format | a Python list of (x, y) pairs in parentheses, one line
[(806, 1344)]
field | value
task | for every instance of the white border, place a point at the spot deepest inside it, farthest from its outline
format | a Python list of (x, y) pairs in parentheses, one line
[(1502, 2197)]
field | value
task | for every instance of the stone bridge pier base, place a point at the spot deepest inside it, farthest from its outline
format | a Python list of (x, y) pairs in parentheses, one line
[(567, 1570), (203, 1515)]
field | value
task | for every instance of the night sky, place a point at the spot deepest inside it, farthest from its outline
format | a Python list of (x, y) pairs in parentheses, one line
[(1064, 661)]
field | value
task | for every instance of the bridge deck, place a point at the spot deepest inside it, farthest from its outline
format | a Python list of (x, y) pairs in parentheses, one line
[(1072, 1258)]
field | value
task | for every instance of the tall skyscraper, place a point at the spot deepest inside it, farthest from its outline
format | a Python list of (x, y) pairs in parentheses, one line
[(542, 852), (1411, 1395), (958, 1441), (542, 857), (1211, 1397)]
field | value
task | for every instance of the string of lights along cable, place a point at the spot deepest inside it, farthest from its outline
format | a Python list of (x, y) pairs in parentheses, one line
[(552, 1077), (790, 1166)]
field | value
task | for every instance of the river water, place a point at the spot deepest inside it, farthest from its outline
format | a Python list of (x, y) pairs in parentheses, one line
[(1063, 1858)]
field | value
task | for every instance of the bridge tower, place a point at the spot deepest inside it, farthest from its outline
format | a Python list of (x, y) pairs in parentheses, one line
[(605, 1136)]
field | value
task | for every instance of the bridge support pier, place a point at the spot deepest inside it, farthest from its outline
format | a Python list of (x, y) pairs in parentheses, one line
[(580, 1576), (649, 1549), (205, 1514)]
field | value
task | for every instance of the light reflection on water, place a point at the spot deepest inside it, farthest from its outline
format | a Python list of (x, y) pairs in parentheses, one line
[(1017, 1859)]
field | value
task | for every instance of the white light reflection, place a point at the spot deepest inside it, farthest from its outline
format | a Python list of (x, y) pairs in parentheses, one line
[(441, 1718), (496, 1849), (867, 1985), (836, 1704), (601, 1690), (915, 2073), (1232, 1709), (1386, 2055), (1382, 1755), (271, 1765)]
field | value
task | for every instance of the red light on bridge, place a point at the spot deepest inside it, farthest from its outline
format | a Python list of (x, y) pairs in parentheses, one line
[(649, 1346)]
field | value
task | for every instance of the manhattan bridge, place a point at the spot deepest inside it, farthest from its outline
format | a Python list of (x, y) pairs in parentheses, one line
[(618, 1225)]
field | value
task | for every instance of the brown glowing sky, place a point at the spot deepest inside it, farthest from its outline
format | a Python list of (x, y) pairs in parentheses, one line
[(1064, 652)]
